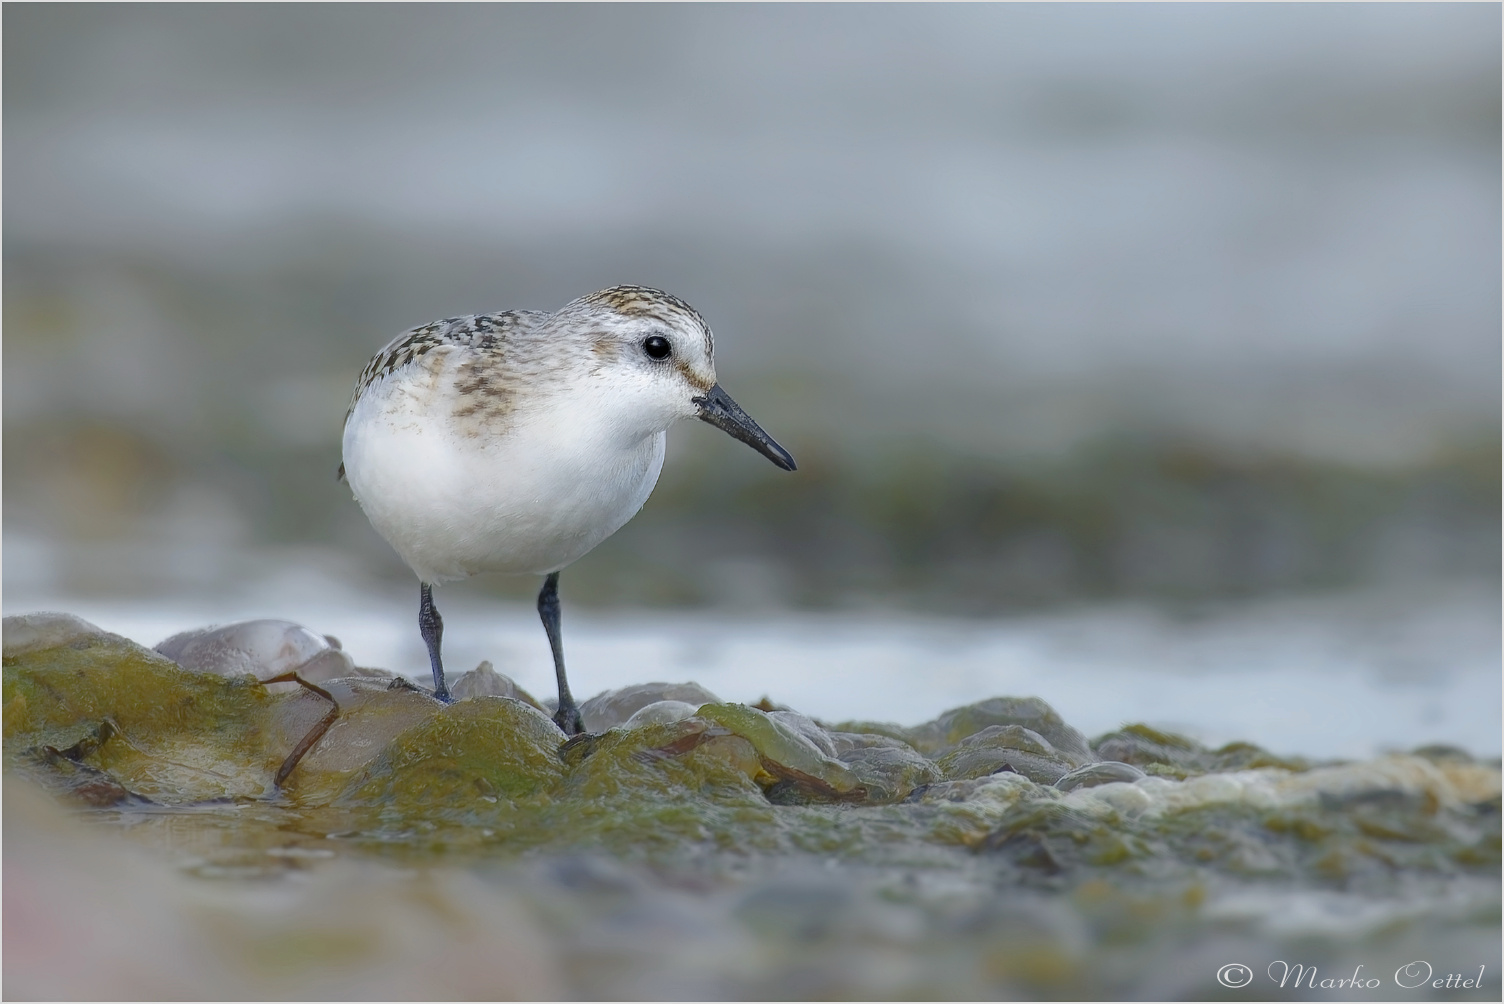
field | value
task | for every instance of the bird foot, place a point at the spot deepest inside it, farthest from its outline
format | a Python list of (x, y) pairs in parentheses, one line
[(567, 718)]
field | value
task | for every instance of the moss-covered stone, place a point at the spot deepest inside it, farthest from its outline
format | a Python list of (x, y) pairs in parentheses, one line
[(177, 736), (936, 737), (383, 765), (460, 759)]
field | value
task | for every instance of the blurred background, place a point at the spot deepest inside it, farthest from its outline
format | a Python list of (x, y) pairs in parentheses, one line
[(1057, 306)]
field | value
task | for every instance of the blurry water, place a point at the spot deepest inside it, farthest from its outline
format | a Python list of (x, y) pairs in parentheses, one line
[(1337, 675)]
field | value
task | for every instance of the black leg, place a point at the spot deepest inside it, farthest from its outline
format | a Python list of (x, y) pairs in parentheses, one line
[(431, 627), (568, 715)]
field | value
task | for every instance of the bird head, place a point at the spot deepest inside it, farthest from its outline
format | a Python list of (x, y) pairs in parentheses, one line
[(657, 356)]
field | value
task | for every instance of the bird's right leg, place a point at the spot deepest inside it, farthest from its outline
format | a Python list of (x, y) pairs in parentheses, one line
[(431, 627), (567, 717)]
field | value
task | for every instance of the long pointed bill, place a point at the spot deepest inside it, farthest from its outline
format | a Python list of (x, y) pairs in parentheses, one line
[(717, 408)]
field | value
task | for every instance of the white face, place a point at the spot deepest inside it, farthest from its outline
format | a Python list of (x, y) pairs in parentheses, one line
[(648, 367), (649, 361)]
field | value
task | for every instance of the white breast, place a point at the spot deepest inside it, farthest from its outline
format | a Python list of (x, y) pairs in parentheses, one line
[(535, 497)]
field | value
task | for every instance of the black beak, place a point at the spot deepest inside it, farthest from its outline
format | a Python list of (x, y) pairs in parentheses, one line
[(717, 408)]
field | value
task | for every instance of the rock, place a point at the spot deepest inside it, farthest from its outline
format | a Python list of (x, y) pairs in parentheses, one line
[(844, 742), (1171, 755), (787, 753), (26, 633), (944, 733), (371, 714), (806, 727), (484, 681), (890, 773), (461, 761), (661, 713), (262, 648), (865, 728), (1001, 748), (612, 708), (1093, 774), (175, 736)]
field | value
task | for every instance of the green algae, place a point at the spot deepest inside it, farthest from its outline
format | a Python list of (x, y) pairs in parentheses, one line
[(821, 845), (476, 752), (174, 736), (114, 725), (787, 754)]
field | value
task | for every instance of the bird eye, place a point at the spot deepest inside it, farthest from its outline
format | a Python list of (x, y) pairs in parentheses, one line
[(656, 346)]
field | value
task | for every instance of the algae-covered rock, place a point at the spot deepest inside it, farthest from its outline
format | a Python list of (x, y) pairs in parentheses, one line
[(461, 760), (890, 773), (612, 708), (175, 736), (661, 713), (27, 633), (663, 786), (942, 734), (1093, 774), (371, 714), (1004, 748), (1171, 755), (806, 727), (888, 768), (1366, 822), (865, 728), (787, 753)]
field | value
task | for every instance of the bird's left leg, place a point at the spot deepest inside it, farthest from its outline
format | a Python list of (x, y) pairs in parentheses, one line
[(568, 715), (431, 627)]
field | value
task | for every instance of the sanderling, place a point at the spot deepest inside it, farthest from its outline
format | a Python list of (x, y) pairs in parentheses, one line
[(517, 441)]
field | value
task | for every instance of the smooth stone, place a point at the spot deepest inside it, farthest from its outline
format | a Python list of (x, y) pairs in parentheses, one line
[(26, 633), (614, 707), (1094, 774), (262, 648), (484, 681), (806, 727), (786, 752), (845, 742), (1004, 747), (890, 773), (946, 732), (661, 713)]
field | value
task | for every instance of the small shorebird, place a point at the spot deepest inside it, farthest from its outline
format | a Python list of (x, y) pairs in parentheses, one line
[(515, 442)]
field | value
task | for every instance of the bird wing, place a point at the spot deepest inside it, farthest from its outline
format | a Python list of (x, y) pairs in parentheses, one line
[(482, 332)]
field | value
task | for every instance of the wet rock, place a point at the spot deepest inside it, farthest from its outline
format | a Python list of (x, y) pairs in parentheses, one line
[(1093, 774), (1169, 755), (176, 736), (661, 713), (806, 727), (890, 773), (462, 761), (1443, 753), (845, 742), (484, 681), (614, 707), (1030, 713), (372, 713), (866, 728), (888, 768), (261, 648), (1004, 748), (787, 753), (26, 633)]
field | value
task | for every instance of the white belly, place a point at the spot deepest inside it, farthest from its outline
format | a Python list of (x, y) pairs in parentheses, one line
[(453, 505)]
